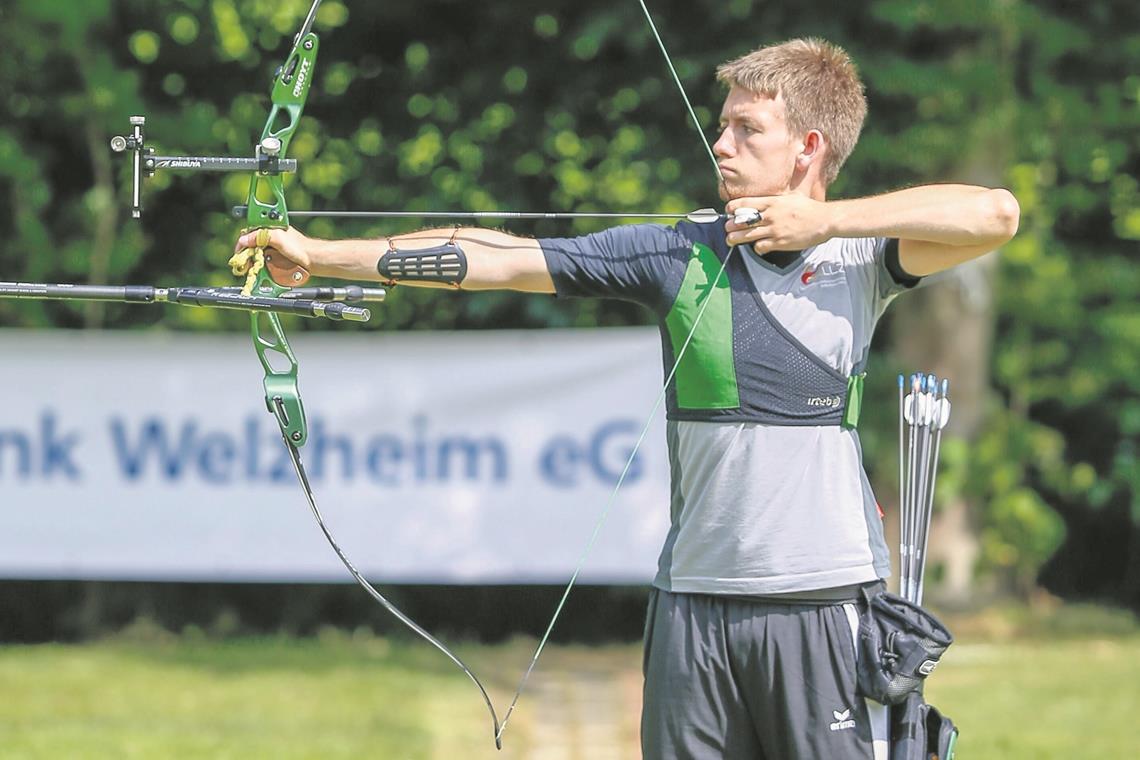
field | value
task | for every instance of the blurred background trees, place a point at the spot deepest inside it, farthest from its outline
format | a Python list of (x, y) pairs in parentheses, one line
[(567, 106)]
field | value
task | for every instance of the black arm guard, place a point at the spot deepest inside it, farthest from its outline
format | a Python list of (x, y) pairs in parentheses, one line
[(444, 263)]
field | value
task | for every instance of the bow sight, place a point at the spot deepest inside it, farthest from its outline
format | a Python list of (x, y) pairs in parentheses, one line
[(144, 162)]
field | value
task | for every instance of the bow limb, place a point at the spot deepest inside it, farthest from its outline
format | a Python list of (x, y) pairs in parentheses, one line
[(302, 476)]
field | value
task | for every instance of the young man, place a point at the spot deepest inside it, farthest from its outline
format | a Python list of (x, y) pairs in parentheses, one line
[(749, 647)]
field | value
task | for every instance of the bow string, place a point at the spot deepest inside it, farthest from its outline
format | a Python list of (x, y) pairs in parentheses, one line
[(272, 283)]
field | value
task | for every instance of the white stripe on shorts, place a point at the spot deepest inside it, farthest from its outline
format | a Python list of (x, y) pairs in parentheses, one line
[(876, 713)]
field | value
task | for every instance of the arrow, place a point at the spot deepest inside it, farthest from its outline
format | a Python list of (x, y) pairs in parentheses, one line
[(700, 216)]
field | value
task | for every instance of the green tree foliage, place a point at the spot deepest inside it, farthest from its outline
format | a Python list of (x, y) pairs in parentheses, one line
[(1069, 358), (567, 106)]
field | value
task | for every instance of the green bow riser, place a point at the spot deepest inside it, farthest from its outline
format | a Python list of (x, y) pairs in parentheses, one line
[(266, 208)]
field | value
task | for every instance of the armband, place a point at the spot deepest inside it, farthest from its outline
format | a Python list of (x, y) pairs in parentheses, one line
[(445, 263)]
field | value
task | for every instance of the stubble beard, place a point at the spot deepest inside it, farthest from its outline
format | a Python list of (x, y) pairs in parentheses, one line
[(732, 190)]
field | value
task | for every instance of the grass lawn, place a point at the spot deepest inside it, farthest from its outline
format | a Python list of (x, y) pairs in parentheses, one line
[(1065, 684), (1052, 691), (1042, 699)]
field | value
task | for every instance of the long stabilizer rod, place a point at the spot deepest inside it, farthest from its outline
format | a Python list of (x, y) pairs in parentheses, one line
[(221, 298)]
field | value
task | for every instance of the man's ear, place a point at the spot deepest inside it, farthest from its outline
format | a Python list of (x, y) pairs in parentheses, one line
[(813, 150)]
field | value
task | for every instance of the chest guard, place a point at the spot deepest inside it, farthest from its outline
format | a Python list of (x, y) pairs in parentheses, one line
[(741, 365)]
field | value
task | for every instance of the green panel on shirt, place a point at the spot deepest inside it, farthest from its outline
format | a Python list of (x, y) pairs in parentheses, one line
[(706, 375)]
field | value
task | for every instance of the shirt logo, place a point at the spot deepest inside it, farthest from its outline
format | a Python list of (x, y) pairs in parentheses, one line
[(827, 401), (843, 720), (826, 274)]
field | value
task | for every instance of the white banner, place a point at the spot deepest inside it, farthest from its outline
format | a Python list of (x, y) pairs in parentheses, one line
[(435, 457)]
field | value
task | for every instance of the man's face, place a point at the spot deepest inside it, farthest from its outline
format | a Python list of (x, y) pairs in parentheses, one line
[(756, 154)]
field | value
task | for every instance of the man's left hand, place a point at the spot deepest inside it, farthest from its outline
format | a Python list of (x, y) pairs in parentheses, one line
[(789, 222)]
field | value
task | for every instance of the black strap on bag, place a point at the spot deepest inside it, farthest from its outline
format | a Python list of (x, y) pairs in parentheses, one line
[(941, 735), (900, 644), (920, 732)]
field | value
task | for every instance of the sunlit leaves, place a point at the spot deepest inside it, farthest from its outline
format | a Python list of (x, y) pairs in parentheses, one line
[(668, 172), (144, 46), (230, 32), (466, 153), (183, 28), (331, 14), (368, 138), (529, 164), (337, 79), (1021, 533), (174, 85), (624, 101), (1124, 202), (494, 119), (514, 80), (419, 105), (567, 144), (420, 154), (573, 182), (545, 26), (416, 57)]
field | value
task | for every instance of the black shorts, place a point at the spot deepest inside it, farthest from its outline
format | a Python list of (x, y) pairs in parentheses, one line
[(735, 678)]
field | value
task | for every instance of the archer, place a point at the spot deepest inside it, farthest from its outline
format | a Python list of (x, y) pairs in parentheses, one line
[(766, 323)]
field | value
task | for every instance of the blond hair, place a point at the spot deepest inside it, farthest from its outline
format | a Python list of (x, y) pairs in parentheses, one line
[(820, 87)]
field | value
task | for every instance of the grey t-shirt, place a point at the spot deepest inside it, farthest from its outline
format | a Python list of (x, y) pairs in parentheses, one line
[(757, 509)]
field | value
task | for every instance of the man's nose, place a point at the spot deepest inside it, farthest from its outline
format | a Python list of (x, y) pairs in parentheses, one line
[(723, 145)]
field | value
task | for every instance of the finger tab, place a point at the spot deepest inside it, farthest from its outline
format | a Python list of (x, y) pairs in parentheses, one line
[(746, 216)]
